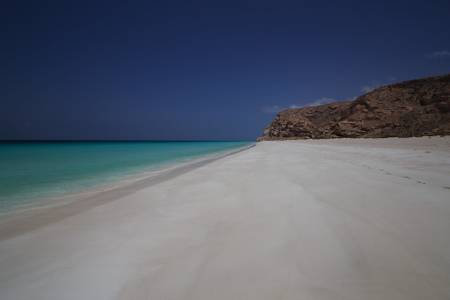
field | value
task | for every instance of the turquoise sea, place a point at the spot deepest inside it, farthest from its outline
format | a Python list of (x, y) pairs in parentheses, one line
[(32, 171)]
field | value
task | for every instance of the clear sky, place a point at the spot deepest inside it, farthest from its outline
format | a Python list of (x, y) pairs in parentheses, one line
[(201, 70)]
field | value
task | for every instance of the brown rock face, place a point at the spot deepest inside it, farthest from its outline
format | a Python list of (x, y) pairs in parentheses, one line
[(411, 108)]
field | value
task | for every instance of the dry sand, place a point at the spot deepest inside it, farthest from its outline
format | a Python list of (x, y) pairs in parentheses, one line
[(329, 219)]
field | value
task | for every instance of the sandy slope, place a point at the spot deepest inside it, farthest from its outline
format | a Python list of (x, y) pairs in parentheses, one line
[(364, 219)]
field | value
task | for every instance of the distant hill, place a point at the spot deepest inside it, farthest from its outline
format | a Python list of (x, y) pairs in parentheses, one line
[(412, 108)]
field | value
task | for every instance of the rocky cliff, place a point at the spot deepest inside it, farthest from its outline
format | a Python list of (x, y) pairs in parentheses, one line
[(411, 108)]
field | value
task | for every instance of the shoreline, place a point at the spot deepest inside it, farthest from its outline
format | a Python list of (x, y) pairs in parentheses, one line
[(66, 191), (51, 210)]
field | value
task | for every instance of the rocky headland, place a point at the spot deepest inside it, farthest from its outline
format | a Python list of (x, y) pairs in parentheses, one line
[(412, 108)]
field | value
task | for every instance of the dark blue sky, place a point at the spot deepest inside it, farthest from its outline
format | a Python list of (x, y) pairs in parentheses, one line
[(201, 70)]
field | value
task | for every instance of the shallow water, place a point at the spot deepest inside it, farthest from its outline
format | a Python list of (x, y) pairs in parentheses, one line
[(30, 171)]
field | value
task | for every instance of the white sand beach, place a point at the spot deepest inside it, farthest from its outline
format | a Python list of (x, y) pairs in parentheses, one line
[(323, 219)]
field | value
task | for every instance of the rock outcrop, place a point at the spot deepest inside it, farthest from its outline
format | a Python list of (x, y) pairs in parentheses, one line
[(412, 108)]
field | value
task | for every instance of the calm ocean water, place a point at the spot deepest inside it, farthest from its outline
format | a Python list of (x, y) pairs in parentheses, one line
[(33, 171)]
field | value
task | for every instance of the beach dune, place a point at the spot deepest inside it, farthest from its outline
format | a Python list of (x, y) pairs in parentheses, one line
[(316, 219)]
